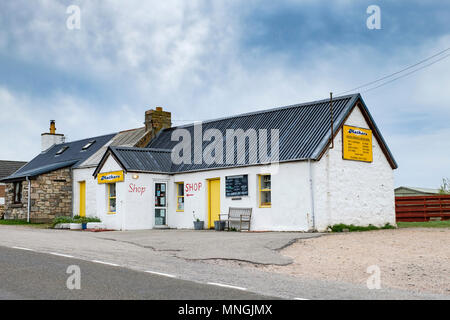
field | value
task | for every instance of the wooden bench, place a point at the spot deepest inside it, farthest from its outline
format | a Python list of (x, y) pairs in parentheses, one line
[(241, 215)]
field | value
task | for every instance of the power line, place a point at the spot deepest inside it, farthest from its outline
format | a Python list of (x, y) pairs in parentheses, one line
[(398, 72), (406, 74)]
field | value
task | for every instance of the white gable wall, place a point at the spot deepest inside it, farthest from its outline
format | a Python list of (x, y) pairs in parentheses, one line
[(353, 192)]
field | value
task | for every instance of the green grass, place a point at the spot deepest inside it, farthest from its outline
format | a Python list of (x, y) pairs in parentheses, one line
[(23, 223), (428, 224), (352, 228), (15, 222)]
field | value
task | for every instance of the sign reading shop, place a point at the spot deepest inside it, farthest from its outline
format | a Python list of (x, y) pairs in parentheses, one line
[(110, 177), (357, 144)]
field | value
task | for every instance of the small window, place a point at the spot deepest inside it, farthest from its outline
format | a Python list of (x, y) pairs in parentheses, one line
[(111, 198), (265, 190), (17, 192), (88, 145), (180, 196), (61, 151)]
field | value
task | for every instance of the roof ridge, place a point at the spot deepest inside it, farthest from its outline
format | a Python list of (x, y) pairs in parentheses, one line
[(262, 111), (74, 141), (140, 149)]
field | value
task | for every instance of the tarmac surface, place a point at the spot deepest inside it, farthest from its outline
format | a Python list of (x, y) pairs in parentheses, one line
[(181, 254)]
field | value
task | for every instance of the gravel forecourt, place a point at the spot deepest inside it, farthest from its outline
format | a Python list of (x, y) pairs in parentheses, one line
[(412, 259)]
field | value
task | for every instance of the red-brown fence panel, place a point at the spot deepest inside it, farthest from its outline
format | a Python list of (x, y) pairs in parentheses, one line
[(422, 208)]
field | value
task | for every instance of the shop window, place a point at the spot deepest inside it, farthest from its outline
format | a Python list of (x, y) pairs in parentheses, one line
[(111, 198), (265, 190), (18, 192), (180, 196)]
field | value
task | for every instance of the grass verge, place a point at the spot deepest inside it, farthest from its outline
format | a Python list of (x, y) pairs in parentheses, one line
[(427, 224), (23, 223)]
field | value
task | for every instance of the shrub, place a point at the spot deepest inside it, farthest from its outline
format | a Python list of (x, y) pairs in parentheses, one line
[(75, 219), (353, 228), (61, 219)]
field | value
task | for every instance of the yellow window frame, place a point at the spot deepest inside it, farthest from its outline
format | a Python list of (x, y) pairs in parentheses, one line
[(266, 204), (110, 198), (178, 196)]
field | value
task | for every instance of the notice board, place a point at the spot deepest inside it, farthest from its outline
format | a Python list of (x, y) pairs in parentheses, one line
[(357, 144), (236, 186)]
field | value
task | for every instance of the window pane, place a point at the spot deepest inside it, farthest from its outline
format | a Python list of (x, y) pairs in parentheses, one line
[(180, 204), (112, 205), (265, 182), (181, 189), (112, 190), (265, 197)]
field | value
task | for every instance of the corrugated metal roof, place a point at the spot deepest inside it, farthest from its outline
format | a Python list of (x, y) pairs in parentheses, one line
[(127, 138), (9, 167), (49, 160), (419, 190), (304, 132), (144, 159)]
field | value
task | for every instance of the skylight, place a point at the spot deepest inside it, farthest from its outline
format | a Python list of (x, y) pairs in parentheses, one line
[(87, 146), (62, 150)]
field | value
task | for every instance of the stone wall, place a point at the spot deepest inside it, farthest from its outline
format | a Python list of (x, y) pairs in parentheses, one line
[(51, 195), (2, 199)]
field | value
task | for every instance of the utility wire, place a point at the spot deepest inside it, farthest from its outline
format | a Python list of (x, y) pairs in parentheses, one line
[(398, 72), (407, 74)]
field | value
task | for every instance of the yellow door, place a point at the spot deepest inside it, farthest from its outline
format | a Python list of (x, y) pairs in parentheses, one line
[(82, 199), (214, 201)]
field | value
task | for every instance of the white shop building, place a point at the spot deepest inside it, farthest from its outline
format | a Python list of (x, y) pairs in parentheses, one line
[(319, 179)]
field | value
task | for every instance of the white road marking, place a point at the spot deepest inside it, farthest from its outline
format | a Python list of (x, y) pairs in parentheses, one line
[(226, 286), (107, 263), (161, 274), (22, 248), (61, 255), (300, 299)]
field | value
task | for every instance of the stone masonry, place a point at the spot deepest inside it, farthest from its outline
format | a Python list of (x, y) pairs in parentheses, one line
[(51, 196)]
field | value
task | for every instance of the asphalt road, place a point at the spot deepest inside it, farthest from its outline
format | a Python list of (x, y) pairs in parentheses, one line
[(33, 275)]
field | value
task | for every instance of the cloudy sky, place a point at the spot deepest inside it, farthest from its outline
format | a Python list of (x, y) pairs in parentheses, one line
[(207, 59)]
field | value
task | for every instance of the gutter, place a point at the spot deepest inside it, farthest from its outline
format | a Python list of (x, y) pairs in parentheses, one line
[(311, 188)]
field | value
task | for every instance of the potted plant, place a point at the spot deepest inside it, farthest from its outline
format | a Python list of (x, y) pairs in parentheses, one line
[(198, 224), (84, 222)]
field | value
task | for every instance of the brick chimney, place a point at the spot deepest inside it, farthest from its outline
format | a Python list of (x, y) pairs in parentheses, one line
[(155, 120), (48, 139)]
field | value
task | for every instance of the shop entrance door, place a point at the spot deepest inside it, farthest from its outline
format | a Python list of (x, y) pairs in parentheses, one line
[(213, 201), (160, 204)]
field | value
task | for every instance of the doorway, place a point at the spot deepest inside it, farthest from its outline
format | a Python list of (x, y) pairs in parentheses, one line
[(83, 199), (213, 201), (160, 204)]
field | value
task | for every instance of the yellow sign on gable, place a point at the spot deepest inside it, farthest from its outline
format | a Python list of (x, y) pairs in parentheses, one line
[(357, 144), (110, 177)]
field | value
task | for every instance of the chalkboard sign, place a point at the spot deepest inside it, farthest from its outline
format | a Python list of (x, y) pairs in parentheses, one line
[(236, 186)]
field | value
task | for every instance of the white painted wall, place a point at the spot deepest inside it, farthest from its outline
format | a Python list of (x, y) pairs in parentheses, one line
[(79, 175), (353, 192), (290, 198), (345, 191)]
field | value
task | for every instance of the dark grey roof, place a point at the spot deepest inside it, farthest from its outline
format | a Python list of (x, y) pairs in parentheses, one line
[(304, 134), (144, 159), (49, 160), (9, 167), (128, 138)]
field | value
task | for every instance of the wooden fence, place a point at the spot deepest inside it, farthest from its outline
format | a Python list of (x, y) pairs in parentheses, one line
[(422, 208)]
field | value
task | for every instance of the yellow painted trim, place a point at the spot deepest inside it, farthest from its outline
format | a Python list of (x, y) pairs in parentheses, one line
[(82, 210), (211, 223), (263, 205), (178, 196), (109, 199)]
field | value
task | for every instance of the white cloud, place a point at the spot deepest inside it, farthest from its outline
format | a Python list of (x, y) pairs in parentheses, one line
[(187, 56)]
